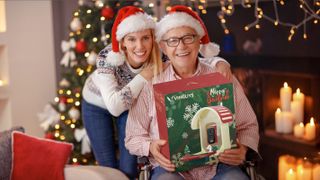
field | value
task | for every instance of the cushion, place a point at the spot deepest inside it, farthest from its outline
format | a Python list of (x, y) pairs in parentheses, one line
[(5, 152), (37, 158)]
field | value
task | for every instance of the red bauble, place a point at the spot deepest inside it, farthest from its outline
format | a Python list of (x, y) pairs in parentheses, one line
[(63, 99), (107, 12), (49, 136), (81, 46)]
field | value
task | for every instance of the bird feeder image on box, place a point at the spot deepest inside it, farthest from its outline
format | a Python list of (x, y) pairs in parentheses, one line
[(213, 124)]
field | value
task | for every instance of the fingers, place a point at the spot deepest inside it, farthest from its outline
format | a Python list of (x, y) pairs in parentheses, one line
[(232, 157), (162, 160)]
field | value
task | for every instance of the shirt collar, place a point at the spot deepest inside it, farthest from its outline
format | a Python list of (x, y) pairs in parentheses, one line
[(176, 76)]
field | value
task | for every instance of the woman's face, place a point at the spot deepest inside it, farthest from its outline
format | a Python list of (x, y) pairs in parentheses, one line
[(138, 46)]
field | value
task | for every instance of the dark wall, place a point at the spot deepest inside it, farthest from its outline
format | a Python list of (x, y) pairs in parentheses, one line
[(62, 14), (274, 38)]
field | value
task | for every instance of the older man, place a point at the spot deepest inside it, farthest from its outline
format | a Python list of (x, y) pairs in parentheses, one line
[(182, 35)]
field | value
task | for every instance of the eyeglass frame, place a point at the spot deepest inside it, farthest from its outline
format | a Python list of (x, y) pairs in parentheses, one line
[(181, 39)]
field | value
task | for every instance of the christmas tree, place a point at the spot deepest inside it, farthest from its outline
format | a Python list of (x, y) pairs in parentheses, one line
[(90, 32)]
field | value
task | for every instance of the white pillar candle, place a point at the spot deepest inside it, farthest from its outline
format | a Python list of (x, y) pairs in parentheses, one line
[(286, 122), (316, 172), (310, 131), (291, 174), (278, 121), (285, 97), (304, 170), (298, 130), (298, 96), (284, 164), (297, 111)]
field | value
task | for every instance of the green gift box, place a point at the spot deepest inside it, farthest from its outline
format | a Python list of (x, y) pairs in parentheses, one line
[(197, 118)]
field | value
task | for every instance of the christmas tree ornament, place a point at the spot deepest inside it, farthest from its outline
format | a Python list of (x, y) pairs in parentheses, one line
[(107, 12), (75, 24), (81, 46), (49, 136), (98, 3), (48, 117), (81, 135), (67, 47), (64, 83), (74, 113), (62, 106), (92, 58), (81, 2)]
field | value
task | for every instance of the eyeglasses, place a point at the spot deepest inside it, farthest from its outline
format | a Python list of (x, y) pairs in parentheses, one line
[(175, 41)]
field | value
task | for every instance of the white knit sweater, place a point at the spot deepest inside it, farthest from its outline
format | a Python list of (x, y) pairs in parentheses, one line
[(115, 88)]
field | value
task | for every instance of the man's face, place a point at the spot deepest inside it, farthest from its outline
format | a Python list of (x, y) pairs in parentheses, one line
[(181, 45)]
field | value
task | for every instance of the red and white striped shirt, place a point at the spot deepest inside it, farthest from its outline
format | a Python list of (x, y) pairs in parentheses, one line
[(142, 125)]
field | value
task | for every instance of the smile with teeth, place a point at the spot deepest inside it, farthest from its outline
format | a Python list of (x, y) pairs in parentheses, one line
[(182, 54), (140, 53)]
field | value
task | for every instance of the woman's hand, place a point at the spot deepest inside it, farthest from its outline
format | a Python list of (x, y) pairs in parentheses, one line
[(224, 68), (154, 149), (147, 72), (234, 157)]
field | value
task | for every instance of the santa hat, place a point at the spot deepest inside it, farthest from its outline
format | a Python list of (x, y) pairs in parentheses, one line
[(183, 16), (129, 19)]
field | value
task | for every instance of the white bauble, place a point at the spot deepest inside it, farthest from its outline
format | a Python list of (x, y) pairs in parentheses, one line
[(74, 113), (64, 83), (92, 58), (75, 24), (62, 106)]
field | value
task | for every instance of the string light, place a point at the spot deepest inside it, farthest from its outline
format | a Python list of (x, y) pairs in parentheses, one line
[(56, 134), (69, 92), (70, 100), (56, 99), (60, 91), (74, 160), (57, 126), (72, 126), (76, 14), (151, 5), (95, 39), (77, 95), (77, 103), (62, 117), (88, 26), (89, 11)]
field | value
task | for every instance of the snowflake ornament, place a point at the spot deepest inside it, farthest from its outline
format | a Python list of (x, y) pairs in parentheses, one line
[(170, 122)]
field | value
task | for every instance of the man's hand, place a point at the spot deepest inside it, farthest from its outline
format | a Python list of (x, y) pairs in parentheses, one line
[(234, 156), (224, 69), (155, 151)]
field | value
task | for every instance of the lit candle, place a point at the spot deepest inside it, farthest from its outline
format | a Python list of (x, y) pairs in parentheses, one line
[(298, 96), (316, 172), (298, 130), (284, 164), (291, 174), (304, 170), (278, 121), (297, 106), (285, 97), (310, 130), (286, 122), (297, 111)]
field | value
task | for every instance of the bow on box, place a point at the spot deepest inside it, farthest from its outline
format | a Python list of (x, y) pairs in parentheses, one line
[(69, 54), (81, 135)]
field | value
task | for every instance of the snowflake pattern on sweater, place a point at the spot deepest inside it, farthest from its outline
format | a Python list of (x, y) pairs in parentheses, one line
[(122, 74)]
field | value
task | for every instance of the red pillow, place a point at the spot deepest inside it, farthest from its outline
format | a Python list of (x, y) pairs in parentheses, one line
[(36, 158)]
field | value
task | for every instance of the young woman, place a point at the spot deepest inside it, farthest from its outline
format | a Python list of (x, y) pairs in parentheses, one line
[(122, 71)]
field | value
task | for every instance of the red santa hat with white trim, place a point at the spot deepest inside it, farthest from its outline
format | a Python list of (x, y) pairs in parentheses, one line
[(180, 16), (129, 19)]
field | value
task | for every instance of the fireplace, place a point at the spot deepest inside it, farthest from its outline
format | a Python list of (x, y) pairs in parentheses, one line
[(262, 78)]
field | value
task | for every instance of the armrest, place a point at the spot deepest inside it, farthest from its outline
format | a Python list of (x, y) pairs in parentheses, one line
[(92, 172)]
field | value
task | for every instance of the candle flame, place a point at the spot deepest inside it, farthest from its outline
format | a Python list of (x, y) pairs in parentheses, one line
[(278, 110), (285, 84), (290, 171), (312, 121), (298, 91), (301, 124)]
